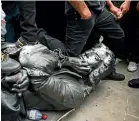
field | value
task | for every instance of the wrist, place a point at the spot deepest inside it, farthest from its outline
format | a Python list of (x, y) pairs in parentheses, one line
[(111, 7), (127, 1), (109, 4), (86, 14)]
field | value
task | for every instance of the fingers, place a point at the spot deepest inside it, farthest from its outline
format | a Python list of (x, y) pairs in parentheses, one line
[(121, 8), (120, 15), (124, 9)]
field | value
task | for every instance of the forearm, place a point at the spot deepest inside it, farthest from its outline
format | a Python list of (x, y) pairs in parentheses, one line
[(81, 8), (109, 4), (128, 1)]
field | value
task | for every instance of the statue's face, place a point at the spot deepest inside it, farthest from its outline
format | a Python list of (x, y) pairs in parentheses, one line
[(91, 57), (96, 54)]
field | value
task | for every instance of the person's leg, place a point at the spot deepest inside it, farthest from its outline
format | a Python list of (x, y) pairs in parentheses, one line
[(135, 50), (50, 42), (12, 14), (92, 40), (113, 37), (126, 25), (134, 43), (10, 35), (77, 33), (27, 22)]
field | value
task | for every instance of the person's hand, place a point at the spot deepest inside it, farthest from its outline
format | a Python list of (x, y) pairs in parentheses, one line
[(116, 11), (137, 6), (125, 7)]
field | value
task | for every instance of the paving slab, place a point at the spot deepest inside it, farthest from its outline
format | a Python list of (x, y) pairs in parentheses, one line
[(112, 101)]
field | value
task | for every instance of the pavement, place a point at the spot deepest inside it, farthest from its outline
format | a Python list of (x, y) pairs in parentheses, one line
[(111, 101)]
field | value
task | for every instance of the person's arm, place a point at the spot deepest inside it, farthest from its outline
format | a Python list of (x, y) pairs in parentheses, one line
[(81, 8), (109, 4), (116, 11), (125, 6)]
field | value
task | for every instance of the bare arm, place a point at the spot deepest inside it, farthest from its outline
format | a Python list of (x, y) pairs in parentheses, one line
[(81, 8), (109, 3), (125, 6), (119, 12), (116, 11)]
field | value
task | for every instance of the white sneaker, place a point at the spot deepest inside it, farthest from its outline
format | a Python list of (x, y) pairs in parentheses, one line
[(133, 66)]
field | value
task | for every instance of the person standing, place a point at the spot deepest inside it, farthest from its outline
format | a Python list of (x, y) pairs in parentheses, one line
[(130, 25), (83, 17)]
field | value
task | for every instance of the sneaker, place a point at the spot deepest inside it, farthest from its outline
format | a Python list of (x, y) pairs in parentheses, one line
[(21, 42), (134, 83), (8, 65), (132, 66), (116, 76)]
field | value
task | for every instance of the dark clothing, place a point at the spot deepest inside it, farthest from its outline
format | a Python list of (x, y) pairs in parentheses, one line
[(130, 25), (79, 30), (94, 5), (50, 42), (12, 20), (27, 20)]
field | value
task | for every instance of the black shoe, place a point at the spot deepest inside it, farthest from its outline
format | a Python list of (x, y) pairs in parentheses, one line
[(134, 83), (116, 76), (8, 65), (21, 42)]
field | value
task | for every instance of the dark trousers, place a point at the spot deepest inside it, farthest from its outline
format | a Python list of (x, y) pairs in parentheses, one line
[(79, 30), (50, 42), (27, 20), (130, 25)]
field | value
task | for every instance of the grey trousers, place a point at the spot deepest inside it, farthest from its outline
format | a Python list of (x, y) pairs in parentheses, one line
[(79, 30)]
